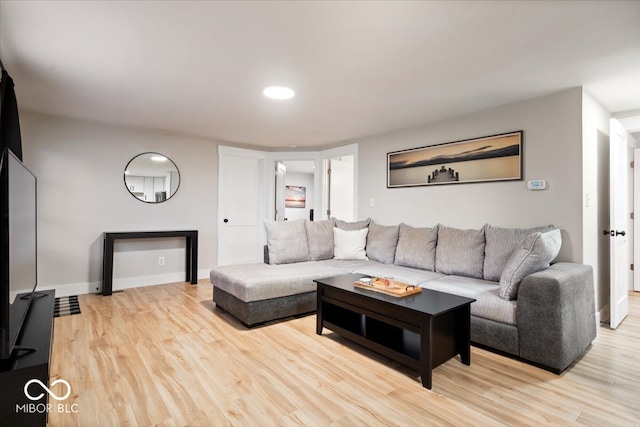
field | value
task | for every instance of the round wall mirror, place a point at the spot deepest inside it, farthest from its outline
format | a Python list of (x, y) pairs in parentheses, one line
[(151, 177)]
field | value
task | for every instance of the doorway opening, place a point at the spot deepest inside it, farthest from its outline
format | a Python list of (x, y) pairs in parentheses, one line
[(295, 190)]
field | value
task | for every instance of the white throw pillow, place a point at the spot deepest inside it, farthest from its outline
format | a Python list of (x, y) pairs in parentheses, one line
[(350, 244), (535, 253)]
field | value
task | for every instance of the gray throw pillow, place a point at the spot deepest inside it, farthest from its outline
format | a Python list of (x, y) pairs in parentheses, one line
[(417, 247), (320, 239), (500, 244), (460, 252), (358, 225), (287, 241), (535, 253), (381, 243)]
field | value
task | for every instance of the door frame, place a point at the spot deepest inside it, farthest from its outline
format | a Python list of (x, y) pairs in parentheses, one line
[(280, 190), (319, 179), (284, 156), (619, 166), (630, 120), (635, 250)]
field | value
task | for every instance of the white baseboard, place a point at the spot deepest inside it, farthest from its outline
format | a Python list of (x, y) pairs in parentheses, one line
[(602, 316), (140, 281), (157, 279), (73, 288), (65, 290), (204, 273)]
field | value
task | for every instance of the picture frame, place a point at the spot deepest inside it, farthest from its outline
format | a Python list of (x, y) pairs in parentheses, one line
[(295, 196), (485, 159)]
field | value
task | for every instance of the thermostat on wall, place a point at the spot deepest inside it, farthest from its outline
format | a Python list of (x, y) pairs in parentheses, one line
[(537, 184)]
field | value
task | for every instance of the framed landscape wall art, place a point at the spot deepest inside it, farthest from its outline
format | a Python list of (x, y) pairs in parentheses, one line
[(490, 158), (295, 196)]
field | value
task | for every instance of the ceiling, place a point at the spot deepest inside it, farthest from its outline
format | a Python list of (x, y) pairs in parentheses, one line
[(358, 68)]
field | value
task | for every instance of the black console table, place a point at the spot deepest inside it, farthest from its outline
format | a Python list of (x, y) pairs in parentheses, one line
[(110, 238), (15, 372)]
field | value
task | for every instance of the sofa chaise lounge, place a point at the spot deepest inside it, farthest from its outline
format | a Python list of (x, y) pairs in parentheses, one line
[(525, 306)]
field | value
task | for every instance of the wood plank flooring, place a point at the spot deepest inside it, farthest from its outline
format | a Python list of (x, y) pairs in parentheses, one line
[(165, 356)]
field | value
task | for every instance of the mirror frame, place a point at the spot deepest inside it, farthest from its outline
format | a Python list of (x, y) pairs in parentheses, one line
[(152, 202)]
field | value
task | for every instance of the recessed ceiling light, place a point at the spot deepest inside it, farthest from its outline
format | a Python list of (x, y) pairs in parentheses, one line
[(278, 92), (158, 158)]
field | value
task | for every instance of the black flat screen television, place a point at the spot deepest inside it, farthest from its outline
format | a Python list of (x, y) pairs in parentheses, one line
[(18, 247), (9, 121)]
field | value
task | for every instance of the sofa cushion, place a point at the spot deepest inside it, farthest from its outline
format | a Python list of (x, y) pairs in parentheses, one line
[(320, 239), (287, 241), (256, 282), (460, 252), (488, 303), (500, 244), (350, 244), (417, 247), (381, 243), (408, 275), (534, 254), (358, 225), (348, 265)]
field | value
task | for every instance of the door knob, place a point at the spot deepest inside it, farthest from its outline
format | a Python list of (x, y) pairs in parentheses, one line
[(225, 220), (621, 233)]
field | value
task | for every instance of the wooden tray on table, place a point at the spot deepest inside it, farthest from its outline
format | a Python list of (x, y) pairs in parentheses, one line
[(397, 289)]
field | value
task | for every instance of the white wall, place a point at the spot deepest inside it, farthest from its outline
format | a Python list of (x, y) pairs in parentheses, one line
[(552, 151), (81, 194)]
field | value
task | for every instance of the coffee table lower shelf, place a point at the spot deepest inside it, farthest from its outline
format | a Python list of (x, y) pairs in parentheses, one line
[(398, 356), (410, 333)]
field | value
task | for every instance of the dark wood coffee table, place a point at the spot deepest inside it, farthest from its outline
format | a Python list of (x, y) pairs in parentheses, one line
[(420, 331)]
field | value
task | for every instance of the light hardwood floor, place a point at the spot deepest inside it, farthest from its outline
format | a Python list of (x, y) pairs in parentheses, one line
[(164, 355)]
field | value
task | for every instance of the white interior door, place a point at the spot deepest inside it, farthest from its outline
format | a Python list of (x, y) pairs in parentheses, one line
[(619, 207), (238, 209), (281, 179), (341, 188)]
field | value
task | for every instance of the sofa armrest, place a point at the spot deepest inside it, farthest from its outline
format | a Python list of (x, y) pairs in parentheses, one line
[(556, 315)]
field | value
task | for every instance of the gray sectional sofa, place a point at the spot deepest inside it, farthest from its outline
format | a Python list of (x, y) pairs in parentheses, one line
[(526, 307)]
